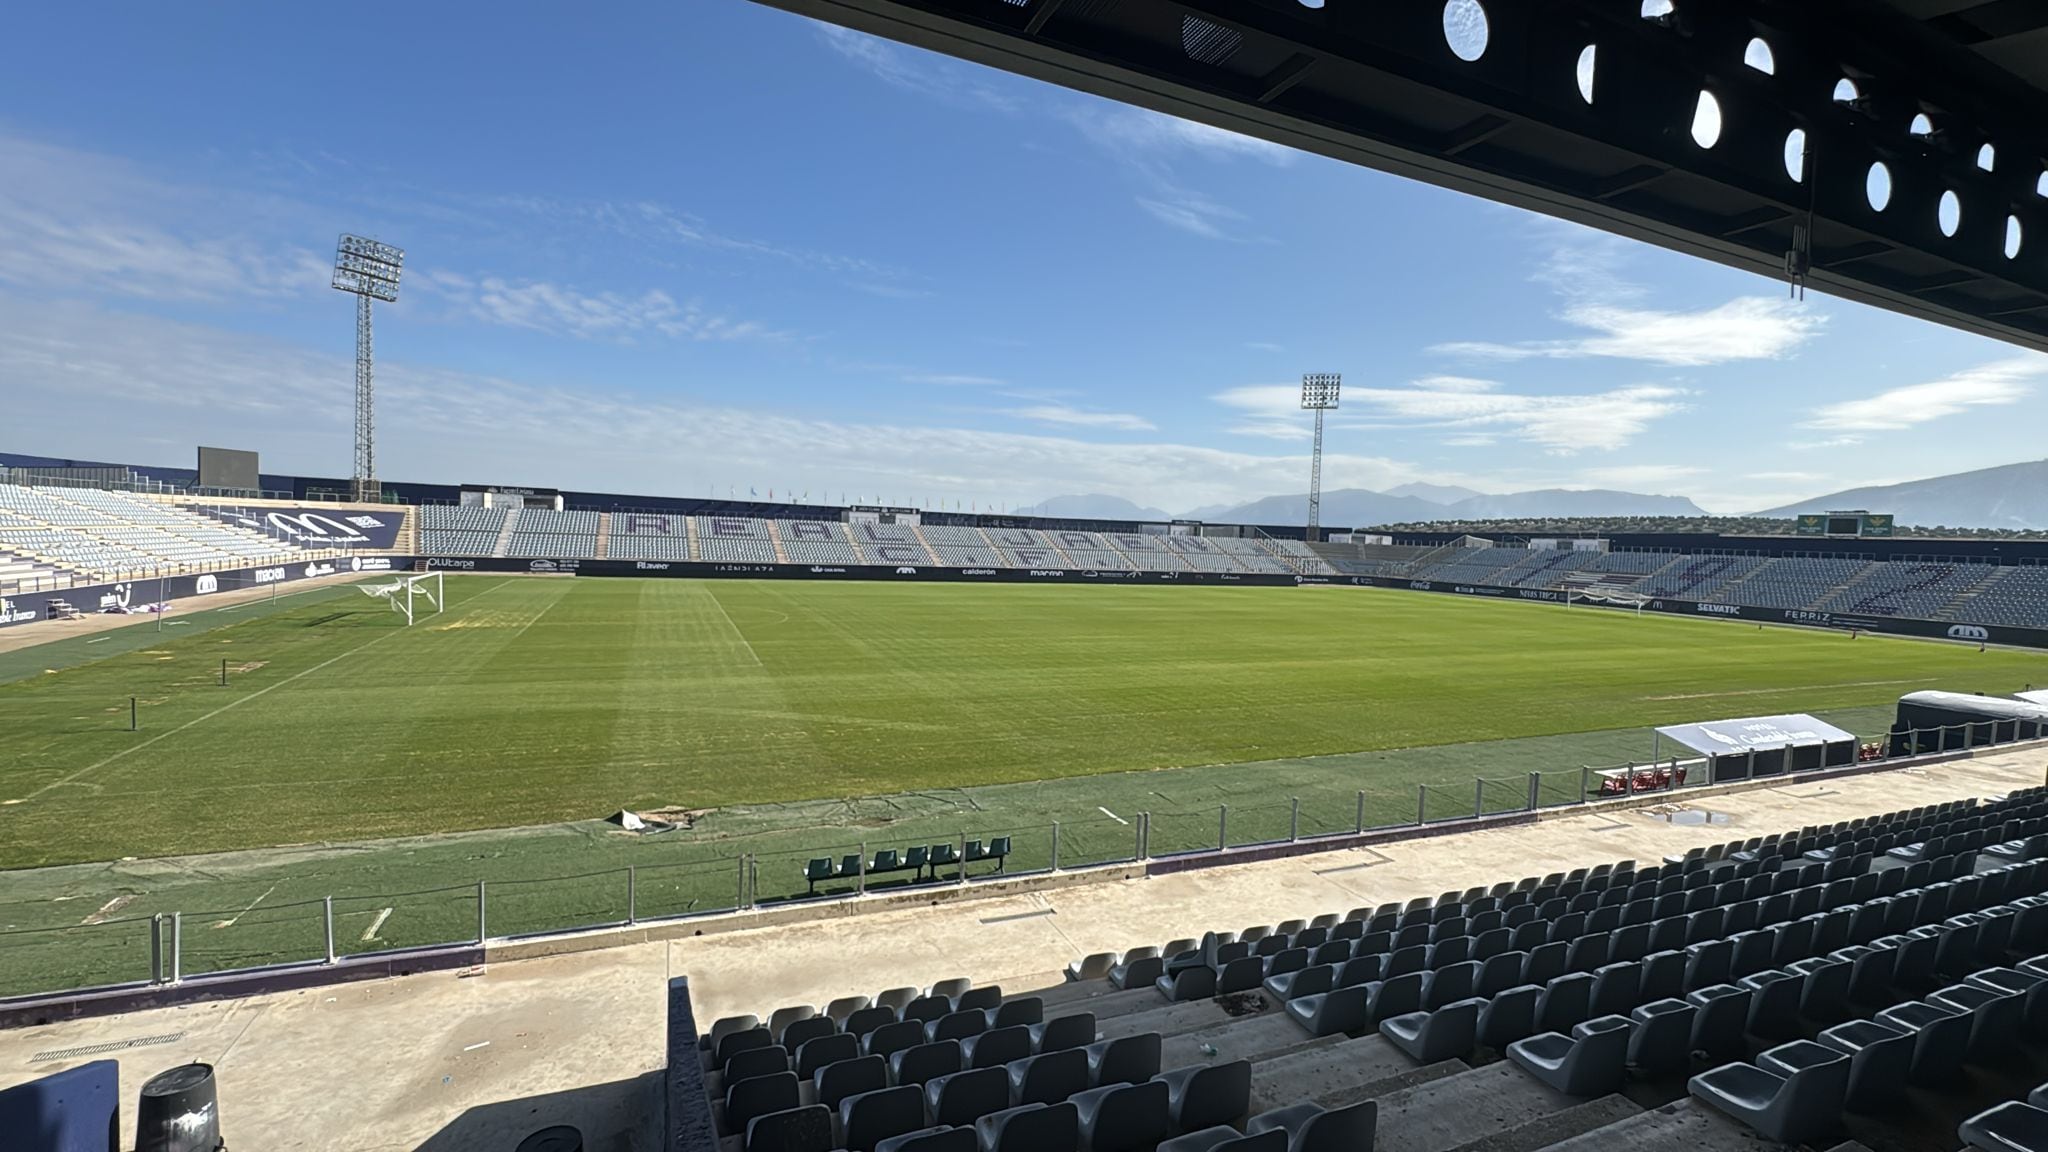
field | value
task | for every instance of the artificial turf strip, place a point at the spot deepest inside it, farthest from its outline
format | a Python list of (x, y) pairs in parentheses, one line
[(533, 701)]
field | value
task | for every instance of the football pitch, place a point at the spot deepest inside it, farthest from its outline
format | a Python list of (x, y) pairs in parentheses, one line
[(533, 701), (393, 768)]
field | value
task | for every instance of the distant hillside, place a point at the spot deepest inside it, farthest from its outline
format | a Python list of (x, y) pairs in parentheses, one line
[(1363, 508), (2008, 496), (1554, 502), (1093, 507), (1346, 507), (1435, 493)]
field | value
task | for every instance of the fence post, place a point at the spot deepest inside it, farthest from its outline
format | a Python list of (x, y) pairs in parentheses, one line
[(861, 884), (482, 931), (1478, 796), (633, 895), (1586, 781), (327, 920), (753, 881), (1361, 810), (1145, 836), (156, 948), (1421, 804), (1294, 822), (963, 859), (1222, 827), (177, 946), (1535, 790), (1055, 845)]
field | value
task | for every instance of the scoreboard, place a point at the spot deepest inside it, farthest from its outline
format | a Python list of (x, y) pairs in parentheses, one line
[(1857, 523)]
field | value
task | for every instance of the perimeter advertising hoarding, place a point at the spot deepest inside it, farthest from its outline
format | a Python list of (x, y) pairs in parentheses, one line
[(134, 595)]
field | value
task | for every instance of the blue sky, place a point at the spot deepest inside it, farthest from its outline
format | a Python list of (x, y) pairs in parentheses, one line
[(682, 248)]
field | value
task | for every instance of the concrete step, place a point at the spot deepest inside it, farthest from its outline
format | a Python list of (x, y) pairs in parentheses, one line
[(1117, 1003), (1456, 1110), (1319, 1073), (1548, 1129), (1165, 1019), (1258, 1037), (1686, 1126)]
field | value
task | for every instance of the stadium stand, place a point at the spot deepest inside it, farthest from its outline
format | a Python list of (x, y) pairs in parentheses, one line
[(1475, 565), (1898, 589), (1203, 555), (99, 533), (2011, 596), (457, 530), (732, 539), (889, 544), (1147, 553), (548, 532), (814, 542), (649, 536), (1789, 582), (958, 546), (1788, 988), (1697, 578), (1025, 548), (1256, 559)]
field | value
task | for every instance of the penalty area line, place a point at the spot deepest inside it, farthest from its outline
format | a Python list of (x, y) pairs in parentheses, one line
[(1111, 815), (197, 720)]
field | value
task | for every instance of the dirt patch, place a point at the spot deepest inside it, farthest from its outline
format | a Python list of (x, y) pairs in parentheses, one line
[(108, 909), (683, 818), (1242, 1003)]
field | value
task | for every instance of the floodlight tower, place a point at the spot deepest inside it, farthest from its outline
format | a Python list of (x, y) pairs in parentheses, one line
[(370, 271), (1319, 395)]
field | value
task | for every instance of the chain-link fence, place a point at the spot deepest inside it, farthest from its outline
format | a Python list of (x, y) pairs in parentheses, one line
[(40, 960)]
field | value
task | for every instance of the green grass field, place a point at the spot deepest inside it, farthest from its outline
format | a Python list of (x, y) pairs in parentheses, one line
[(534, 701), (812, 719)]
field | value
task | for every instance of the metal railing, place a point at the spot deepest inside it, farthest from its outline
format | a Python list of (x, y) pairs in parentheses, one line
[(175, 946)]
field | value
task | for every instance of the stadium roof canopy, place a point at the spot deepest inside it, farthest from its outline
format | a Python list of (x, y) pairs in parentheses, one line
[(1498, 106), (1754, 734)]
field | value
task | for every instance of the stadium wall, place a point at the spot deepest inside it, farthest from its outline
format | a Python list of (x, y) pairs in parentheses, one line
[(30, 607), (703, 570), (1846, 621)]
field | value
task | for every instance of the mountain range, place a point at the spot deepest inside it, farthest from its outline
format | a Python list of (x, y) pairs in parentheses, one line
[(2007, 496), (2012, 496)]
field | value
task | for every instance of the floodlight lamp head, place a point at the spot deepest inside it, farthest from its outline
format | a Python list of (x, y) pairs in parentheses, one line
[(367, 268), (1319, 389)]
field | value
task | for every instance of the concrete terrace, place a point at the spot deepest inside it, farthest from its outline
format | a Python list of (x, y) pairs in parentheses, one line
[(441, 1062)]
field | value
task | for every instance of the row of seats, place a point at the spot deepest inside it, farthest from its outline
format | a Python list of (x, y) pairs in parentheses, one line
[(917, 859)]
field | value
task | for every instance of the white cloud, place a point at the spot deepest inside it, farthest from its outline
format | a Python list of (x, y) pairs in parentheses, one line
[(156, 386), (564, 311), (1123, 130), (77, 222), (1640, 476), (1746, 328), (914, 70), (1191, 212), (1079, 418), (1561, 425), (1455, 384), (1829, 442), (1997, 383)]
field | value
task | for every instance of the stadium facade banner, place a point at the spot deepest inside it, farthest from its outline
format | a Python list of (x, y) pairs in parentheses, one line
[(1844, 621), (138, 595), (326, 527), (921, 571)]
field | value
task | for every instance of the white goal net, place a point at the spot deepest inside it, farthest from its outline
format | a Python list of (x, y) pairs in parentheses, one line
[(409, 596)]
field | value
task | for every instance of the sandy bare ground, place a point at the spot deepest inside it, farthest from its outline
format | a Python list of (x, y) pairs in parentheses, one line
[(46, 631)]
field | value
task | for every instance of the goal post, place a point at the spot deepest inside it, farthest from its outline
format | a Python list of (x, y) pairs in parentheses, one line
[(410, 596)]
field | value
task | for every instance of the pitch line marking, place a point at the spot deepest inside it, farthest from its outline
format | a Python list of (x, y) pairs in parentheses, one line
[(370, 933), (1111, 815), (230, 704), (90, 768), (720, 605), (230, 923), (100, 640)]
